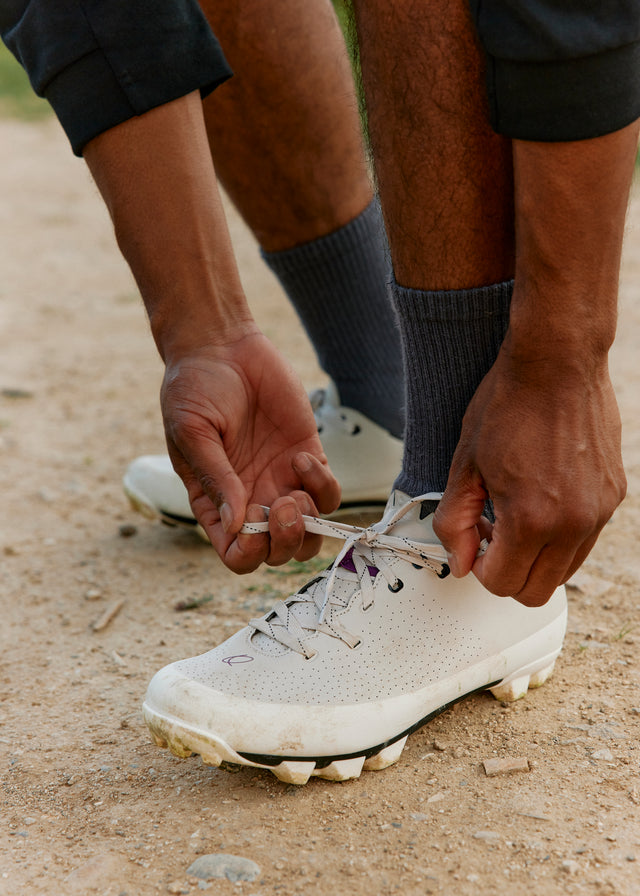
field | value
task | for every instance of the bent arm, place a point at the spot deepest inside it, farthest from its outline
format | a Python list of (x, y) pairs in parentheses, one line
[(157, 179), (541, 437), (239, 426)]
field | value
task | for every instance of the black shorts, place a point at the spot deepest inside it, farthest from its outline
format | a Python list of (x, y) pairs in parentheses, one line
[(100, 62)]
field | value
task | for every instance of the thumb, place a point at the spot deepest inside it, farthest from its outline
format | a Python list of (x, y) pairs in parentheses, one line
[(457, 521)]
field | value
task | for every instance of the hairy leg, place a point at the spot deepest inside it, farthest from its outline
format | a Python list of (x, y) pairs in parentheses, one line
[(445, 178), (284, 131)]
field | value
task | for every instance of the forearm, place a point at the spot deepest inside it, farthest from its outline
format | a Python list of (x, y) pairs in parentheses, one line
[(571, 201), (157, 179)]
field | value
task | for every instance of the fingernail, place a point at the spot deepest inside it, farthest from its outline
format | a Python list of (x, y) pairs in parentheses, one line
[(226, 517), (302, 462), (453, 564), (287, 515)]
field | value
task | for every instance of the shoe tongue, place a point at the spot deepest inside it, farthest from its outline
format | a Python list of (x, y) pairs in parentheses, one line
[(348, 564), (427, 508), (417, 521)]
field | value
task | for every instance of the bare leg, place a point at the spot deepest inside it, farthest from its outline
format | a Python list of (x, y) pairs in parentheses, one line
[(541, 433), (284, 131), (445, 177), (286, 141)]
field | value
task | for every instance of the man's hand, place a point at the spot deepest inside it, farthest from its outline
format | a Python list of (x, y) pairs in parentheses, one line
[(544, 445), (541, 436), (241, 433), (239, 426)]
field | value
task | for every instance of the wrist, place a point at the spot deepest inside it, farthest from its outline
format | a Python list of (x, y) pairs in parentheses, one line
[(188, 329), (556, 358), (553, 321)]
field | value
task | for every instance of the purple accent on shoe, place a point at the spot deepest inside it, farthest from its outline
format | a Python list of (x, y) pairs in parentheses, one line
[(348, 564)]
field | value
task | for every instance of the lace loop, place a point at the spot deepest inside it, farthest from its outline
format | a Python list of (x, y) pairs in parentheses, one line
[(366, 548)]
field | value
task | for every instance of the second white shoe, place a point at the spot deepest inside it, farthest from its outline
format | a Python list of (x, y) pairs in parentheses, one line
[(363, 456), (335, 678)]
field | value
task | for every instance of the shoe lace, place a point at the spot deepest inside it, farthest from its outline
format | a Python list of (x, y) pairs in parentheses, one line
[(365, 552)]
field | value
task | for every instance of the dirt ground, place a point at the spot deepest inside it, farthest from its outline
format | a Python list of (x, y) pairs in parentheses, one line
[(88, 803)]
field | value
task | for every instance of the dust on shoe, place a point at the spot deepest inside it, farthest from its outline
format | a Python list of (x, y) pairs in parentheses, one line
[(333, 680)]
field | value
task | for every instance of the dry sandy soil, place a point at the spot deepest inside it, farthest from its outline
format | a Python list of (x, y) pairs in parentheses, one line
[(88, 803)]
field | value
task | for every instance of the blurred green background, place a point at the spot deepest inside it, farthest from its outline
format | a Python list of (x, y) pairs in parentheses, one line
[(17, 99)]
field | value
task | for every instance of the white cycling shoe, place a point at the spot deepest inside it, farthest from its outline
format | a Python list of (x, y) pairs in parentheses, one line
[(335, 678), (364, 458)]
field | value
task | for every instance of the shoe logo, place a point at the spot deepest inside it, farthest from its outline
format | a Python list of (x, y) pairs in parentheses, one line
[(240, 658)]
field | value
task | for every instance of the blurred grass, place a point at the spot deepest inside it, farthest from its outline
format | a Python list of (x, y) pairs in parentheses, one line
[(17, 99)]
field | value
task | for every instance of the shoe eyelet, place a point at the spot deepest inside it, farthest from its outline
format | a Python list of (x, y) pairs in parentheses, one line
[(398, 585)]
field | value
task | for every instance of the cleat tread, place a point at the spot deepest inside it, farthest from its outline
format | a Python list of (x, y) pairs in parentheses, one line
[(341, 769), (512, 690), (386, 757), (539, 678), (293, 772)]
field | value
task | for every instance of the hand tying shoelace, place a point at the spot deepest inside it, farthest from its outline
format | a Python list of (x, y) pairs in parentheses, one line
[(363, 554)]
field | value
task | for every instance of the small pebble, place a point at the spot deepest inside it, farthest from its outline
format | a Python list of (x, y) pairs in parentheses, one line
[(439, 746), (93, 594), (15, 393), (570, 866), (234, 868), (487, 836), (605, 754), (494, 767), (126, 530)]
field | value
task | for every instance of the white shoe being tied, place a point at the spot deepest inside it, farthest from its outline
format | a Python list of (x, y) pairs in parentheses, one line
[(364, 457), (336, 677)]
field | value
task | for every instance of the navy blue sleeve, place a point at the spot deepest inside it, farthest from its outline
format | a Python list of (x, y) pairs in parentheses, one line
[(101, 62), (560, 69)]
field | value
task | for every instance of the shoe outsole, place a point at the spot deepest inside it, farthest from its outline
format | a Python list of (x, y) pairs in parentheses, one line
[(184, 741)]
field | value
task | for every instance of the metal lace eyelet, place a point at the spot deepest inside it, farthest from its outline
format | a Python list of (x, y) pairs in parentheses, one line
[(398, 585)]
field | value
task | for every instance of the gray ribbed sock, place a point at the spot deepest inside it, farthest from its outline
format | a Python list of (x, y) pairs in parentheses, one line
[(450, 340), (339, 285)]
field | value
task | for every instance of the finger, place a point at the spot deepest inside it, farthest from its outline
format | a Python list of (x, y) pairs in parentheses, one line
[(580, 556), (286, 530), (245, 553), (318, 480), (216, 493), (505, 567), (457, 520), (311, 543), (552, 567)]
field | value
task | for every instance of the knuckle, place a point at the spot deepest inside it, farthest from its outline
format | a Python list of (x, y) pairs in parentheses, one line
[(444, 524), (533, 598)]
